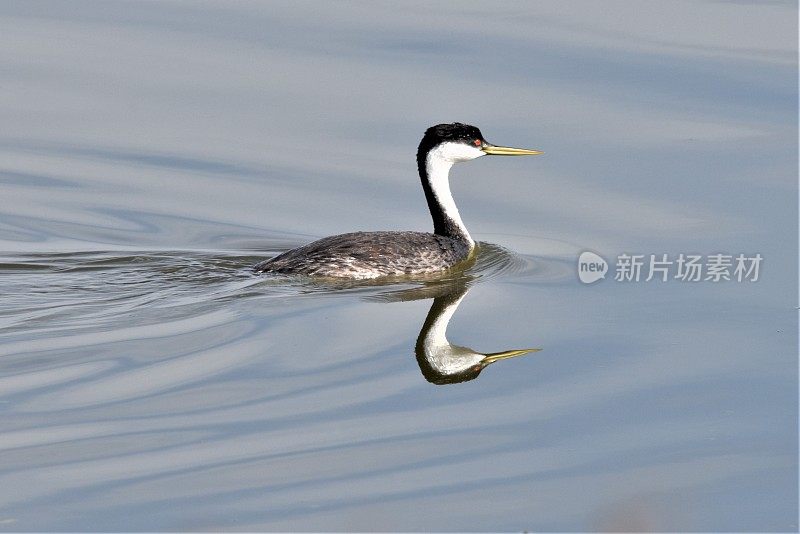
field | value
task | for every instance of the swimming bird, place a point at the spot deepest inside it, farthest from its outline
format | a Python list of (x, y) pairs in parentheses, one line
[(365, 255)]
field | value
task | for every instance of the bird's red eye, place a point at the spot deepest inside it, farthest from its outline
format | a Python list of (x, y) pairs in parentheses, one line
[(477, 142)]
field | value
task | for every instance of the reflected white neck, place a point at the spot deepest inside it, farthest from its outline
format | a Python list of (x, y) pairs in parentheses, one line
[(446, 358)]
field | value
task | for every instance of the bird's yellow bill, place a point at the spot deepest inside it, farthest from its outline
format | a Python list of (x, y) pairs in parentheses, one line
[(497, 356), (508, 151)]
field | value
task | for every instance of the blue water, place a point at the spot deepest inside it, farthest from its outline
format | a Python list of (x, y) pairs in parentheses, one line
[(152, 152)]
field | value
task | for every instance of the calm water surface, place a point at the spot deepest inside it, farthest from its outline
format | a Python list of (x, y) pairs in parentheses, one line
[(151, 153)]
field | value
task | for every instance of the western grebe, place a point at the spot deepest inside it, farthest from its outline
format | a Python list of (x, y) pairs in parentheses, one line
[(375, 254)]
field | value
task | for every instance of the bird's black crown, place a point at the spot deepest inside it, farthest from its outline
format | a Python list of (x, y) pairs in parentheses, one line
[(452, 132)]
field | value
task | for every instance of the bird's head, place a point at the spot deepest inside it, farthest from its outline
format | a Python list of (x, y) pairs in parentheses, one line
[(461, 142)]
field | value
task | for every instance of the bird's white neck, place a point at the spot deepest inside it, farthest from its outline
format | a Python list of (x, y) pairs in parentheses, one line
[(437, 167)]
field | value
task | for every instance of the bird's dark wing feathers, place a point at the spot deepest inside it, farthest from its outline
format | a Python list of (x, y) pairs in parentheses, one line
[(370, 254)]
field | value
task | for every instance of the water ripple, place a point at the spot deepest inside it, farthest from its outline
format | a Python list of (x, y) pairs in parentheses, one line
[(53, 291)]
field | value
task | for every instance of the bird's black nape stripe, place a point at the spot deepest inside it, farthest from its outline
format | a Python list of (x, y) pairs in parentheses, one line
[(434, 136)]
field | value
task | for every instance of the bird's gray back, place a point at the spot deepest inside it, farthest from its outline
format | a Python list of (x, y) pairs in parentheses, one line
[(370, 255)]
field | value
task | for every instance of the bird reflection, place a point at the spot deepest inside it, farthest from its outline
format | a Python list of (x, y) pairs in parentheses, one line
[(440, 361)]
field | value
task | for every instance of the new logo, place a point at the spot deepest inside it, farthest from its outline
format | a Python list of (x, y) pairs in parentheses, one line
[(591, 267)]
